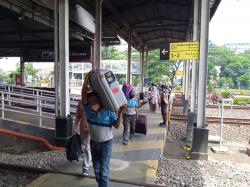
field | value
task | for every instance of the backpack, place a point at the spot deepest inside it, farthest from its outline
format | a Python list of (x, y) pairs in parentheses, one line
[(73, 148), (126, 88)]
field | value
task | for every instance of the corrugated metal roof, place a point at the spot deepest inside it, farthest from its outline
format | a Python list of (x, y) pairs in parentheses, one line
[(151, 21)]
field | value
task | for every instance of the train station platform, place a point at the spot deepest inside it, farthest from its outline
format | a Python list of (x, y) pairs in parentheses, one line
[(137, 162)]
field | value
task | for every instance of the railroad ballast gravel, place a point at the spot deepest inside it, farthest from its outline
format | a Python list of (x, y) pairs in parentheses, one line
[(212, 173), (46, 160), (231, 133), (8, 179)]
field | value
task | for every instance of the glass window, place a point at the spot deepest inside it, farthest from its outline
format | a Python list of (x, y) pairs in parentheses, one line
[(78, 67), (78, 76)]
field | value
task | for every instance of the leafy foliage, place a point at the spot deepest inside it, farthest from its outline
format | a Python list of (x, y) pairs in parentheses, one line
[(241, 100), (225, 94), (234, 68)]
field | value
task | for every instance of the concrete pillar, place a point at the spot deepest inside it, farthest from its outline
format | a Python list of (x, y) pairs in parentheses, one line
[(184, 78), (142, 70), (98, 32), (203, 63), (194, 62), (22, 71), (64, 57), (64, 121), (56, 64), (147, 64), (129, 68), (92, 58), (187, 74), (200, 134)]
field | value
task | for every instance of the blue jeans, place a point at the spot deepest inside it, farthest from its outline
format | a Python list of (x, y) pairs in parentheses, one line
[(101, 155)]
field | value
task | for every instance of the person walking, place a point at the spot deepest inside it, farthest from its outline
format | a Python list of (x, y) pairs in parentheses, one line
[(100, 123), (153, 98), (81, 121), (164, 95), (129, 117)]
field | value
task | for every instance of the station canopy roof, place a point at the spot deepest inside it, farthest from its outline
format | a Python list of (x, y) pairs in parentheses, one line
[(152, 22), (29, 23)]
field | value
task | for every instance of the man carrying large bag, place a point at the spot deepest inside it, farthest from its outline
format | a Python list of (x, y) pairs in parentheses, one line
[(100, 122)]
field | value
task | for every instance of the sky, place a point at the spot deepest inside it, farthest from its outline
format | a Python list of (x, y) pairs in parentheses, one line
[(230, 24)]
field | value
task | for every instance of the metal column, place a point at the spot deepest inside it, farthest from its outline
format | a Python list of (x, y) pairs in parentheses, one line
[(56, 72), (64, 56), (129, 76), (187, 80), (142, 70), (98, 32), (93, 55), (194, 62), (147, 64), (22, 71), (203, 63), (184, 78), (64, 122)]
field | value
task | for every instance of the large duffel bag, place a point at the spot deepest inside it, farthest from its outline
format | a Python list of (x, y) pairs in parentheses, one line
[(106, 85), (141, 124)]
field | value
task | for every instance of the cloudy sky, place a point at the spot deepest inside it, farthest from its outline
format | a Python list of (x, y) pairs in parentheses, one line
[(230, 24)]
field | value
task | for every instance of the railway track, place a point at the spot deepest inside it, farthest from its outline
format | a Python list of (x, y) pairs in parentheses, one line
[(215, 106), (229, 121), (12, 168)]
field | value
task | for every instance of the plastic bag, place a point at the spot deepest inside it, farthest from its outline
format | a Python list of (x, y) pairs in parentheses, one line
[(73, 148)]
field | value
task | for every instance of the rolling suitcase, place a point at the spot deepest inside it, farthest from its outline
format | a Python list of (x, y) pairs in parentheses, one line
[(141, 124), (106, 85)]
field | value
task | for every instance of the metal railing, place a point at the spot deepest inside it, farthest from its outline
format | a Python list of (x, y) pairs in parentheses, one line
[(12, 102), (31, 102)]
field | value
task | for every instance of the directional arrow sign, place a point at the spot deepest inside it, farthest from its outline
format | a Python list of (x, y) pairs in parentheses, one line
[(164, 51)]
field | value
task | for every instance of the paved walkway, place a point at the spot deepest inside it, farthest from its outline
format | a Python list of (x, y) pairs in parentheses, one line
[(136, 162)]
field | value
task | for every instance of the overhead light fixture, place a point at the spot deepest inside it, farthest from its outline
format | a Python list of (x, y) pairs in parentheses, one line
[(21, 17)]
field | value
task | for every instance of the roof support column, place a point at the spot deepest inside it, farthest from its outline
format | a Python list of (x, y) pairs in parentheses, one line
[(194, 62), (22, 72), (98, 33), (142, 70), (187, 79), (64, 56), (200, 134), (64, 122), (129, 76), (184, 78), (203, 63), (146, 60), (56, 64)]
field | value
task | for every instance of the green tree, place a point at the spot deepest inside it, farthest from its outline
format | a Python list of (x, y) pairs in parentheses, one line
[(3, 76), (29, 71), (112, 53), (234, 67), (158, 68)]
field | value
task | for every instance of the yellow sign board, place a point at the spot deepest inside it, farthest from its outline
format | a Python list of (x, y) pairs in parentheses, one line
[(179, 73), (184, 51)]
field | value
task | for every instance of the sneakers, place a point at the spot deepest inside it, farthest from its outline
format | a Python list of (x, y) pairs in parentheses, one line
[(125, 143), (162, 124), (85, 172)]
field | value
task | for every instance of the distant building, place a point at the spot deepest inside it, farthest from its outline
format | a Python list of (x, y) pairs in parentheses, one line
[(238, 47)]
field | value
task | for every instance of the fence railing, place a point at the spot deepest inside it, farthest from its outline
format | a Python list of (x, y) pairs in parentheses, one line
[(31, 102)]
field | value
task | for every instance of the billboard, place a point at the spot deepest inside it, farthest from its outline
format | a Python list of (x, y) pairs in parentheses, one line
[(76, 54)]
